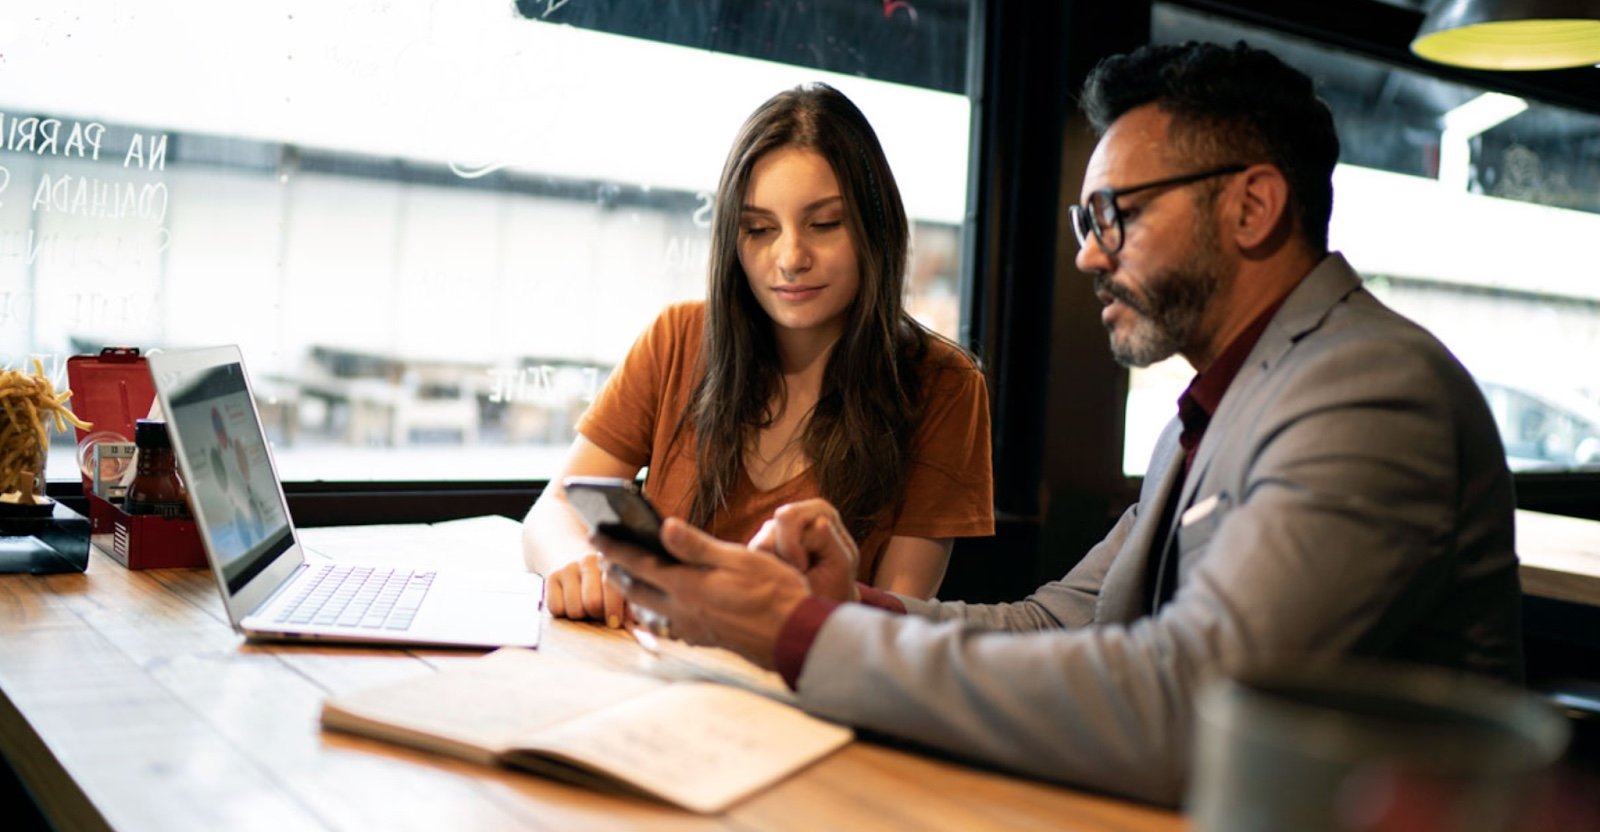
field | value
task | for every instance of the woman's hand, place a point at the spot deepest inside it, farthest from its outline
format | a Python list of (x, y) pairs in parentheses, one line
[(580, 591)]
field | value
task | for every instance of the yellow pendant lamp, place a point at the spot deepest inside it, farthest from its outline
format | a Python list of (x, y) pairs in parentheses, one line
[(1511, 34)]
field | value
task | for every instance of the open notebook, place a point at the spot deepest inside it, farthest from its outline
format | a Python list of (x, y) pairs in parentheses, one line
[(700, 745)]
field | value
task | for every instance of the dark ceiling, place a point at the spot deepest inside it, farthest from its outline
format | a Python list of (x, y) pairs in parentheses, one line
[(1388, 111)]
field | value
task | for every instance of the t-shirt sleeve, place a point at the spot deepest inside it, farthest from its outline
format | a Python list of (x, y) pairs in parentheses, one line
[(622, 418), (950, 489)]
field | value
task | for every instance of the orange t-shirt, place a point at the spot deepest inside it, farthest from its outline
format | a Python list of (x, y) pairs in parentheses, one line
[(949, 487)]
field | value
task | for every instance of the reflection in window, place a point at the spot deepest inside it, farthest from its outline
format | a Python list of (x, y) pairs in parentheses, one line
[(433, 229), (1473, 213)]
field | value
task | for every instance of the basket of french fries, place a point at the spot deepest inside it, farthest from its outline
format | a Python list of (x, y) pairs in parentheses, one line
[(29, 406)]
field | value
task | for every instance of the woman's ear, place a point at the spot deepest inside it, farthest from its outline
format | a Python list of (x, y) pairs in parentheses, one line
[(1263, 215)]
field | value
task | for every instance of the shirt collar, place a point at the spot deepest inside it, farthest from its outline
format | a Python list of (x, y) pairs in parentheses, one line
[(1200, 400)]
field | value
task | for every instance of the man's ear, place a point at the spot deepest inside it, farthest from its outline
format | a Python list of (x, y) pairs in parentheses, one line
[(1263, 215)]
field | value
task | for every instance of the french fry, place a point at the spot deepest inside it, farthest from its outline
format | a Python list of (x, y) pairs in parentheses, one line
[(25, 403)]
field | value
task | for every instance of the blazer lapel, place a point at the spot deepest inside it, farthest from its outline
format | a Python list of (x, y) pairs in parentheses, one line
[(1123, 595), (1303, 311)]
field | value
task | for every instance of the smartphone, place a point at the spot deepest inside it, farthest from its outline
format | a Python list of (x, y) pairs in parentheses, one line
[(615, 508)]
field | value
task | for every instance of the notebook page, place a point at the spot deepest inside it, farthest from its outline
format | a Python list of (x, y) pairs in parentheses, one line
[(702, 746)]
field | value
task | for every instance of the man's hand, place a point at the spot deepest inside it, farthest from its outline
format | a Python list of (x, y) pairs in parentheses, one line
[(810, 536), (722, 594)]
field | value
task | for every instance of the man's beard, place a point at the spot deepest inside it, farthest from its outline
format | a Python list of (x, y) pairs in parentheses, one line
[(1166, 321)]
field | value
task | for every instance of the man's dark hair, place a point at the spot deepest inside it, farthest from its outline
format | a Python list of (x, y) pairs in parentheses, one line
[(1229, 105)]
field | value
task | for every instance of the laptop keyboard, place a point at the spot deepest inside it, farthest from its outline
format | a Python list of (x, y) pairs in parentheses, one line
[(358, 596)]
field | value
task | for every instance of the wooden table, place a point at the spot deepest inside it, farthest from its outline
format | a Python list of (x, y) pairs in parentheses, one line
[(127, 702), (1560, 557)]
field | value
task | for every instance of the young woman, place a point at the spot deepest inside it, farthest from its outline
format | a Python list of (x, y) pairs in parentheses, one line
[(800, 375)]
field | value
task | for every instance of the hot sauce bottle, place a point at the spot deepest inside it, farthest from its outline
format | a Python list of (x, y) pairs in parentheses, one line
[(156, 488)]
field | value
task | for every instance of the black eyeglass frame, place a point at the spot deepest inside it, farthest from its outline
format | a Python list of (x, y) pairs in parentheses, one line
[(1084, 214)]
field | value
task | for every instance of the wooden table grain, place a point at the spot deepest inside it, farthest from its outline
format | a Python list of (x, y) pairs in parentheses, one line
[(1560, 557), (127, 702)]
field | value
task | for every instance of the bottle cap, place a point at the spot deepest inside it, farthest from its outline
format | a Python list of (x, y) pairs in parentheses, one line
[(151, 433)]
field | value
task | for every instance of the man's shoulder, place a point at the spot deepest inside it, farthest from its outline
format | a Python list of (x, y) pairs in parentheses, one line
[(1332, 316), (1362, 352), (1363, 325)]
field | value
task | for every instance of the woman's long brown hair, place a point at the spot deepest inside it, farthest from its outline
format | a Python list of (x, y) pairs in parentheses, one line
[(858, 438)]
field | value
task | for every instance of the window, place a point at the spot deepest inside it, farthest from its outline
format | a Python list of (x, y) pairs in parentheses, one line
[(432, 228), (1473, 213)]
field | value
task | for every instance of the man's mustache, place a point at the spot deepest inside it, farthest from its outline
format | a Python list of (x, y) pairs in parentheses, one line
[(1104, 284)]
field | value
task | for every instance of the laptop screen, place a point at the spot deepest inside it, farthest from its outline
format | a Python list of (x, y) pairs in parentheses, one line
[(232, 484)]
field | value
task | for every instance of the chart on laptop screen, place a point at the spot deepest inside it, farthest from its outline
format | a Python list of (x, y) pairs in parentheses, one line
[(233, 485)]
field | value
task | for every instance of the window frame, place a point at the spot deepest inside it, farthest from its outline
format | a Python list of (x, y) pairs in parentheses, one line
[(1054, 409)]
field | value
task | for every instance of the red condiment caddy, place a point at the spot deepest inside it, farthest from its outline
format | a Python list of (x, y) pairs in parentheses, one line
[(113, 390)]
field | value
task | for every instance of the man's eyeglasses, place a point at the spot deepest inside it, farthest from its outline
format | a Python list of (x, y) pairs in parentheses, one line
[(1101, 217)]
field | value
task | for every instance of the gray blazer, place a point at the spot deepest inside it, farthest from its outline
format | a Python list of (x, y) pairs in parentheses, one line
[(1350, 497)]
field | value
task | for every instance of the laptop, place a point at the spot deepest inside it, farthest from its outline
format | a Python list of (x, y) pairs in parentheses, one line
[(270, 588)]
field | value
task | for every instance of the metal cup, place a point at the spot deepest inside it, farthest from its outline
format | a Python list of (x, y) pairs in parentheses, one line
[(1339, 746)]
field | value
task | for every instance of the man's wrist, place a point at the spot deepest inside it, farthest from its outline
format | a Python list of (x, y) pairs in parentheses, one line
[(799, 629), (797, 634)]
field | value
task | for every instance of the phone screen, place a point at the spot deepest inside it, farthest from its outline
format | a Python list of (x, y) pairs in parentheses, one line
[(616, 509)]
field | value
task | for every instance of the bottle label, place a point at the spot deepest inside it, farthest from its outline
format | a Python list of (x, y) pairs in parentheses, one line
[(171, 511)]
